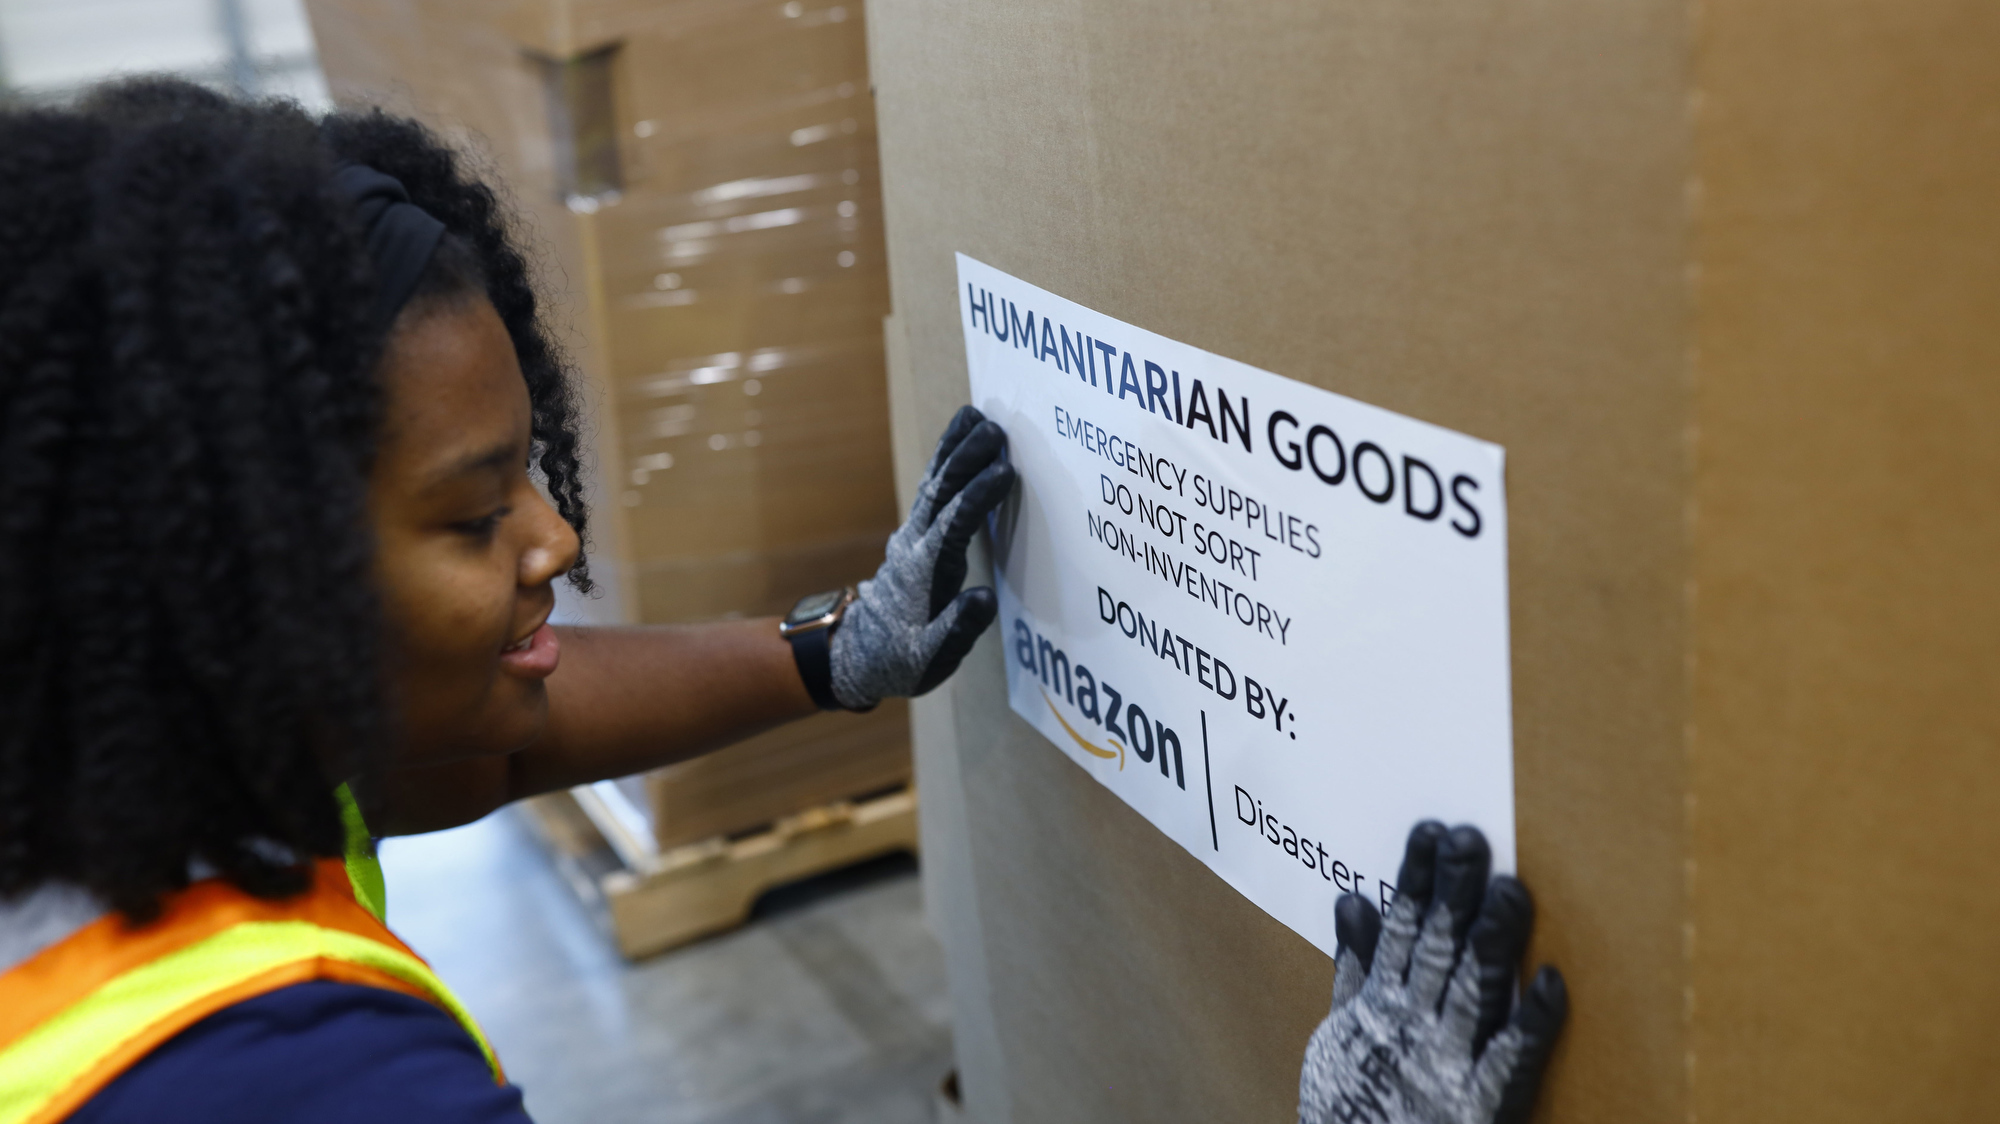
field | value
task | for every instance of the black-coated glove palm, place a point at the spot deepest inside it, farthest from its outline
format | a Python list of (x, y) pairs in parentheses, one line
[(909, 626), (1420, 1031)]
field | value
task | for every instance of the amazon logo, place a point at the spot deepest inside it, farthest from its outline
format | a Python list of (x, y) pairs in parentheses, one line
[(1124, 725)]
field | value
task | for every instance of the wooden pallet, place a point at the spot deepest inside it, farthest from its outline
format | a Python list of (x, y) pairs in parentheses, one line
[(653, 900)]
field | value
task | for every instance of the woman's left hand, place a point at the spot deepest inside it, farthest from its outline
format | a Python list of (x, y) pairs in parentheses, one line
[(909, 625)]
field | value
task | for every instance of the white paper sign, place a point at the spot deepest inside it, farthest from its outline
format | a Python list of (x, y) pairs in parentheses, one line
[(1272, 619)]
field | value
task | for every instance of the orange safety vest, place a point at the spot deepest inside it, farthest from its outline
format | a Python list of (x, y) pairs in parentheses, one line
[(82, 1011)]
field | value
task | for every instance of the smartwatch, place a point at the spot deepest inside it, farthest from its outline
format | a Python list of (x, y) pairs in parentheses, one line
[(809, 627)]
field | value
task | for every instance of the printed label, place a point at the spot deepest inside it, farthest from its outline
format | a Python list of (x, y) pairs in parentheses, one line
[(1272, 619)]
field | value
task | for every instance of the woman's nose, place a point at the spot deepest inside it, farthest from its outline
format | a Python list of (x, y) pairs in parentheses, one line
[(554, 551)]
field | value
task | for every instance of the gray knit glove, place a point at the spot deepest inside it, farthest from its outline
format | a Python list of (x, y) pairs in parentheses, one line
[(1420, 1030), (910, 625)]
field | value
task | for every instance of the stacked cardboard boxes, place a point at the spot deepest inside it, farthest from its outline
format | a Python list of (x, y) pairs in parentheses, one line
[(703, 176)]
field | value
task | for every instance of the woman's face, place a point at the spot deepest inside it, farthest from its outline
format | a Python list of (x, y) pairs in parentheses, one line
[(467, 548)]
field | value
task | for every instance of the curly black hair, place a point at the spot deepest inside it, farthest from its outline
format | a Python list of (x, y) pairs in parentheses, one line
[(189, 403)]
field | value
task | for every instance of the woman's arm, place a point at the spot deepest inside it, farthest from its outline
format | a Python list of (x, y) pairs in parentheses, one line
[(625, 700), (622, 700)]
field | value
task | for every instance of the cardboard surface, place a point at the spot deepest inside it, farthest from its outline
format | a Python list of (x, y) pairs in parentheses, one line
[(1846, 758), (1724, 289), (825, 758)]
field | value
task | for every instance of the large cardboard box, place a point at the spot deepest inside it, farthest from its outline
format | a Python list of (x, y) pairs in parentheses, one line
[(700, 177), (1722, 278), (791, 768)]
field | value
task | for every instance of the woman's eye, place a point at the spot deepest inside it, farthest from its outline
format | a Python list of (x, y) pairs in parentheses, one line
[(484, 526)]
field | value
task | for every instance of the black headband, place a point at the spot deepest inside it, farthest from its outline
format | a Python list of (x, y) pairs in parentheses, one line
[(401, 236)]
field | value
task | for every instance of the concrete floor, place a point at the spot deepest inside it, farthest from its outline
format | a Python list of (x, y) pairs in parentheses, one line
[(829, 1008)]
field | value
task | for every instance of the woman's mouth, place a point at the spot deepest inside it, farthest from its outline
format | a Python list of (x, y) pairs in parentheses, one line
[(534, 656)]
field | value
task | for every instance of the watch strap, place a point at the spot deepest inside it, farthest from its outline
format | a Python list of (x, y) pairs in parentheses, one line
[(813, 650)]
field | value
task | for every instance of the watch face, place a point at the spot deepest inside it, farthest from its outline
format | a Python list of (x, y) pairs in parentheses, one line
[(814, 607)]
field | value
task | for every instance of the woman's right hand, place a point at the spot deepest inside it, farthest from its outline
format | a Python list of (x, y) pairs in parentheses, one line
[(1420, 1031)]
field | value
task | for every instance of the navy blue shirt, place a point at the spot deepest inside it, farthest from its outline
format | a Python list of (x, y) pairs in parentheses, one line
[(313, 1053)]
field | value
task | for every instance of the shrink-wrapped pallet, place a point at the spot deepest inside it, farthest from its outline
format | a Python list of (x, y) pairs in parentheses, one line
[(702, 178)]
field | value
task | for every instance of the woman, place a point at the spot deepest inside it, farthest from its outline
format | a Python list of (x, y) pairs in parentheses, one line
[(290, 469), (291, 466)]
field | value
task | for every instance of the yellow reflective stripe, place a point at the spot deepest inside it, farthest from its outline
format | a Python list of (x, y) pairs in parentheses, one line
[(44, 1062), (364, 869)]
